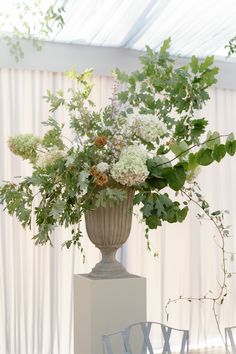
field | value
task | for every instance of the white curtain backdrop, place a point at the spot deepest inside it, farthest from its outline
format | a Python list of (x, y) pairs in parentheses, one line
[(36, 283)]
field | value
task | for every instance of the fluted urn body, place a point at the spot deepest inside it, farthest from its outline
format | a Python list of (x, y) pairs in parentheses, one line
[(108, 228)]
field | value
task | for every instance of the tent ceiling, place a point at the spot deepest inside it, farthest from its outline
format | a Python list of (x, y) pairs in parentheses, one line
[(200, 27)]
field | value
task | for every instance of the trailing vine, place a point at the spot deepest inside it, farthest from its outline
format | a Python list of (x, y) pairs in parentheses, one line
[(193, 195)]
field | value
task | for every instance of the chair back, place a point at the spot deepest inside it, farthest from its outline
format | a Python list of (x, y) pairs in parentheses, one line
[(230, 338), (147, 338), (115, 343), (154, 337)]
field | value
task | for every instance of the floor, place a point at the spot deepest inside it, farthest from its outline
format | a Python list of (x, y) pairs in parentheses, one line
[(208, 351)]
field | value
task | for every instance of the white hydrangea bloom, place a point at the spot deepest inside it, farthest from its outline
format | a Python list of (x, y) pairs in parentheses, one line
[(137, 150), (131, 168), (102, 167), (149, 127), (48, 158)]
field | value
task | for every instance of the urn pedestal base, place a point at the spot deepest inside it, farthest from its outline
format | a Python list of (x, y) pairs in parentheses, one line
[(109, 267), (103, 306)]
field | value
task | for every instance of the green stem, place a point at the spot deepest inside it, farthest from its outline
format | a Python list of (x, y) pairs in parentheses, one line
[(191, 147)]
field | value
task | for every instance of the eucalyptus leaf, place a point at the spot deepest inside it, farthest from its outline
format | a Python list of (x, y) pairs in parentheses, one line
[(213, 139), (219, 152), (204, 157), (230, 145), (179, 148)]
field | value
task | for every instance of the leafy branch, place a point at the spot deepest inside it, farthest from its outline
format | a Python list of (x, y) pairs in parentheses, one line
[(184, 152), (231, 46), (36, 32)]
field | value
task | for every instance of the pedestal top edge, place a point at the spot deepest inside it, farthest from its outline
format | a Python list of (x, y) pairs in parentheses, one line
[(87, 277)]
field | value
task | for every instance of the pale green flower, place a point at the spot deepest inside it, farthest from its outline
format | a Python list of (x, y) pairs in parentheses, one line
[(131, 168), (137, 150), (24, 145)]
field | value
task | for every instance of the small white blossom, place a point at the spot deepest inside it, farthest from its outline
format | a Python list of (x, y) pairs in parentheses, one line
[(102, 167)]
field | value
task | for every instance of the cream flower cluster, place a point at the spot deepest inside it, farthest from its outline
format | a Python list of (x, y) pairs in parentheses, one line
[(149, 127), (131, 168), (48, 158)]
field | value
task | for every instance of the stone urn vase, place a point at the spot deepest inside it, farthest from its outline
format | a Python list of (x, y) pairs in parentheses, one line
[(108, 229)]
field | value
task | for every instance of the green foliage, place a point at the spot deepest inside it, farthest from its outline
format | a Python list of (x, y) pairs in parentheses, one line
[(179, 148), (204, 157), (152, 113), (53, 136), (76, 239), (175, 176), (219, 152), (158, 208), (213, 139), (164, 174), (55, 100), (230, 144), (189, 129), (184, 89), (214, 150), (18, 201), (109, 196), (231, 46)]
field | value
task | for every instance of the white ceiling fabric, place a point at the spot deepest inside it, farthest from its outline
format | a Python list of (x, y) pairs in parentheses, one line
[(199, 27)]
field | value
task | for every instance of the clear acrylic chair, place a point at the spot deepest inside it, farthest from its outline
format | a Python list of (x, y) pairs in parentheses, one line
[(230, 337), (154, 337), (147, 338), (115, 343)]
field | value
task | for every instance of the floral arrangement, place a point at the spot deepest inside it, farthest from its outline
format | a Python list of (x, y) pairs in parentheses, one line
[(148, 138)]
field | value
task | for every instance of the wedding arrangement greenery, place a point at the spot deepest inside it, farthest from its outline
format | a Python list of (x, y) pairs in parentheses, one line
[(231, 46), (148, 138), (17, 25)]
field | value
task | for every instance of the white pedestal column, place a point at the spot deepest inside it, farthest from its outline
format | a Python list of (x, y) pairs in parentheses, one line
[(103, 306)]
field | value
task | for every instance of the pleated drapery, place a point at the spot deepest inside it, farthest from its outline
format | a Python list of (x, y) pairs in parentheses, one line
[(36, 283)]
